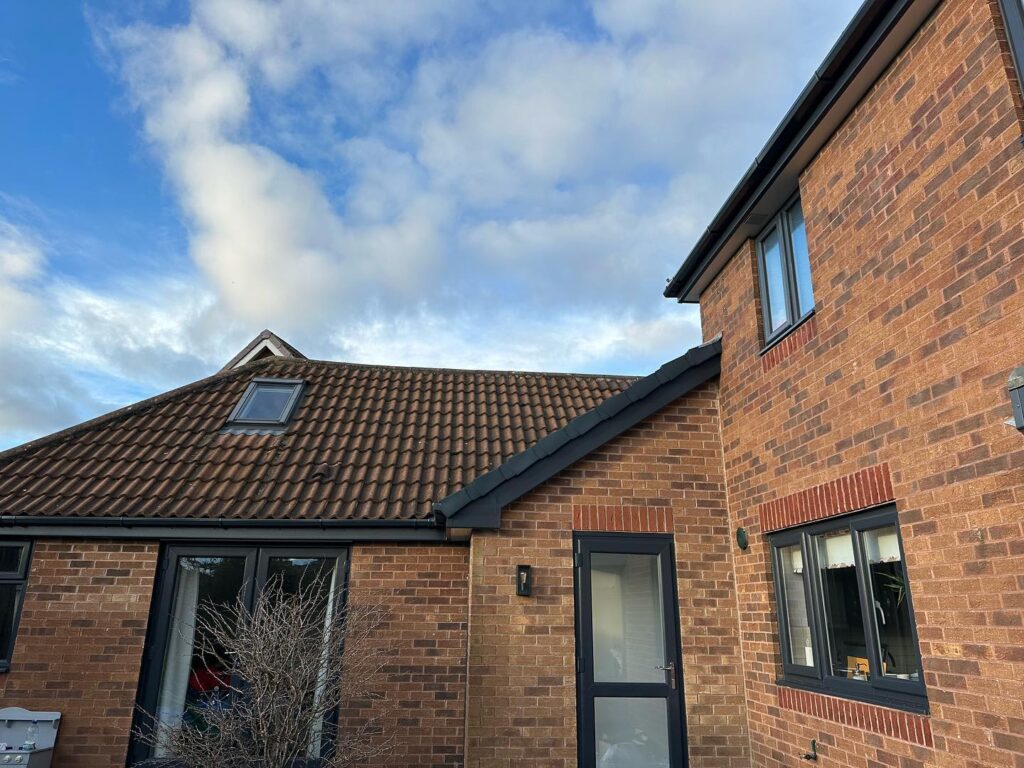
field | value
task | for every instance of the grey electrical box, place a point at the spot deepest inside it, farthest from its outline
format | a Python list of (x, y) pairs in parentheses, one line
[(27, 738), (1016, 387)]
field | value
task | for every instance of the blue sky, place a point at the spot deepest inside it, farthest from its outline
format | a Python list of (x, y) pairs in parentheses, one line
[(432, 182)]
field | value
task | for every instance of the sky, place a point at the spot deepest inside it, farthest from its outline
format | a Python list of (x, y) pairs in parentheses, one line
[(461, 183)]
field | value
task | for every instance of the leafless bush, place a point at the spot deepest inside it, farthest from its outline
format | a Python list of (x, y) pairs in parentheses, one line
[(286, 666)]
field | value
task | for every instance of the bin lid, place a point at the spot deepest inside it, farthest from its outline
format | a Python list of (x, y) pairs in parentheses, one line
[(15, 721)]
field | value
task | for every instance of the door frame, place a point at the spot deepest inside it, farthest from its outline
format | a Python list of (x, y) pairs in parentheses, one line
[(161, 610), (625, 543)]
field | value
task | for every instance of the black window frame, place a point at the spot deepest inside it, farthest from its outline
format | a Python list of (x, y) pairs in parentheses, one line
[(780, 223), (1013, 21), (19, 578), (909, 695), (257, 555), (235, 420)]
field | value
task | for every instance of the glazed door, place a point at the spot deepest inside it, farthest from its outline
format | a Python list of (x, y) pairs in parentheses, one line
[(628, 656)]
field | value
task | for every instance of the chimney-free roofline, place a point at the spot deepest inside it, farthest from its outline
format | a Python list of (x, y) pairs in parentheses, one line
[(878, 32)]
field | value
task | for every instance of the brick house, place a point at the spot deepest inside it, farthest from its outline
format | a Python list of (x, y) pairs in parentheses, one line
[(803, 537)]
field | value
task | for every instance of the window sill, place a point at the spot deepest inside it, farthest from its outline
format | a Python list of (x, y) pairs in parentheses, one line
[(785, 334), (917, 705)]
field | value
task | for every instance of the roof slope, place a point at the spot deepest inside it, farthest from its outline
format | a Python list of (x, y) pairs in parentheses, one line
[(366, 442), (479, 504)]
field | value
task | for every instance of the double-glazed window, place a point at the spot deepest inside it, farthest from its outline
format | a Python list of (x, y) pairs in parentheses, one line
[(184, 677), (1013, 17), (14, 556), (785, 272), (845, 617)]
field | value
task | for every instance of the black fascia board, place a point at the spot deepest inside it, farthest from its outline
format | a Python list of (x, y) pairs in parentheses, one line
[(862, 36), (479, 504)]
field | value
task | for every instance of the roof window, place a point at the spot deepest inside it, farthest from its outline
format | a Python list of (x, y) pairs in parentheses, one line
[(266, 403)]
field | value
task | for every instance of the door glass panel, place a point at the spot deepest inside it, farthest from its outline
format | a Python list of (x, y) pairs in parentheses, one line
[(844, 622), (801, 650), (775, 281), (801, 260), (192, 680), (628, 618), (897, 648), (631, 733)]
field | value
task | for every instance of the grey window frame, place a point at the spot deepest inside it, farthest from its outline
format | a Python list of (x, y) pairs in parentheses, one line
[(780, 223), (236, 420), (1013, 20), (19, 578), (909, 695)]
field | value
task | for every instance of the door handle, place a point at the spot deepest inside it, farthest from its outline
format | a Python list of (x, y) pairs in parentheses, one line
[(670, 671)]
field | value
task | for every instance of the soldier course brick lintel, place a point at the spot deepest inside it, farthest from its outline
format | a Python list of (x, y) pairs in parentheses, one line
[(860, 490), (619, 518)]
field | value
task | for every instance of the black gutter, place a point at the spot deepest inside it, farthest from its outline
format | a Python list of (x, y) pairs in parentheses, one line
[(222, 529), (479, 504), (862, 36)]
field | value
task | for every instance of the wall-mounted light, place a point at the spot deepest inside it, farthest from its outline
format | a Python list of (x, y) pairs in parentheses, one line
[(742, 540), (1016, 387), (524, 580)]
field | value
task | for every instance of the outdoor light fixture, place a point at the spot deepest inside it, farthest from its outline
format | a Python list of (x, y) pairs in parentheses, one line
[(742, 540), (1016, 387), (524, 580)]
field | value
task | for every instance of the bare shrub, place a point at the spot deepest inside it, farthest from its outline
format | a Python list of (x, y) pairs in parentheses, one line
[(287, 665)]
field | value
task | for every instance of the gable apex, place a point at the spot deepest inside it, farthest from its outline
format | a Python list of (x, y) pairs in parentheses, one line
[(266, 344)]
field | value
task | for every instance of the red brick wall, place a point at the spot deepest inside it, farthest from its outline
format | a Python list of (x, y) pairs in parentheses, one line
[(665, 474), (427, 587), (79, 644), (916, 232)]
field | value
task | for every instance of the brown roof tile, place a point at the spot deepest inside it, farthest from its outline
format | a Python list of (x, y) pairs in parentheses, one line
[(394, 440)]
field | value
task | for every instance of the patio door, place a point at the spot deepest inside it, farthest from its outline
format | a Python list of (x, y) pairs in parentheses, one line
[(628, 655)]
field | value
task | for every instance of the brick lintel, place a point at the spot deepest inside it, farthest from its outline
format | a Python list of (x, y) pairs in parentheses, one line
[(865, 488)]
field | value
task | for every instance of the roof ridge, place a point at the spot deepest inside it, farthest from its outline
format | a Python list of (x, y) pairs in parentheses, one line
[(428, 369), (129, 410)]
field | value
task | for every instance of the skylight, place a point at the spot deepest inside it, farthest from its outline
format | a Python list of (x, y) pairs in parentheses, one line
[(266, 403)]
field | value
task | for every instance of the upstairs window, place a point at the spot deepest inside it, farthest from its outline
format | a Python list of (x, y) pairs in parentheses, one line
[(266, 404), (785, 272), (846, 622), (1013, 18)]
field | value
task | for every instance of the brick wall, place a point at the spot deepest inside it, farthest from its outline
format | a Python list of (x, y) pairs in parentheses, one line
[(916, 232), (664, 475), (427, 588), (79, 645)]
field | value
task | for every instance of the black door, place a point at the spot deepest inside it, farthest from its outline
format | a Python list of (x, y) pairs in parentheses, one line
[(628, 656)]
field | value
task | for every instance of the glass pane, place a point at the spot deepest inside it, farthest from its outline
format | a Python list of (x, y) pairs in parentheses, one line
[(775, 281), (193, 680), (844, 622), (267, 403), (801, 260), (631, 733), (801, 650), (629, 625), (8, 613), (892, 611), (10, 558), (294, 573)]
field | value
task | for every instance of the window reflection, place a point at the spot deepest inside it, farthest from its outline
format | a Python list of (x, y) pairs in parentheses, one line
[(897, 649), (844, 621)]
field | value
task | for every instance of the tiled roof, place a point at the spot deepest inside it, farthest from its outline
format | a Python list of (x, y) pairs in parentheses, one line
[(366, 442)]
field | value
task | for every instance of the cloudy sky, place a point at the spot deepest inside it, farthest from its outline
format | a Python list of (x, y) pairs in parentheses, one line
[(472, 183)]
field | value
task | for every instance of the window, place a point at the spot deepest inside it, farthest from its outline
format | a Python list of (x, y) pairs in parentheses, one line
[(14, 558), (1013, 16), (182, 680), (785, 272), (266, 403), (845, 617)]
